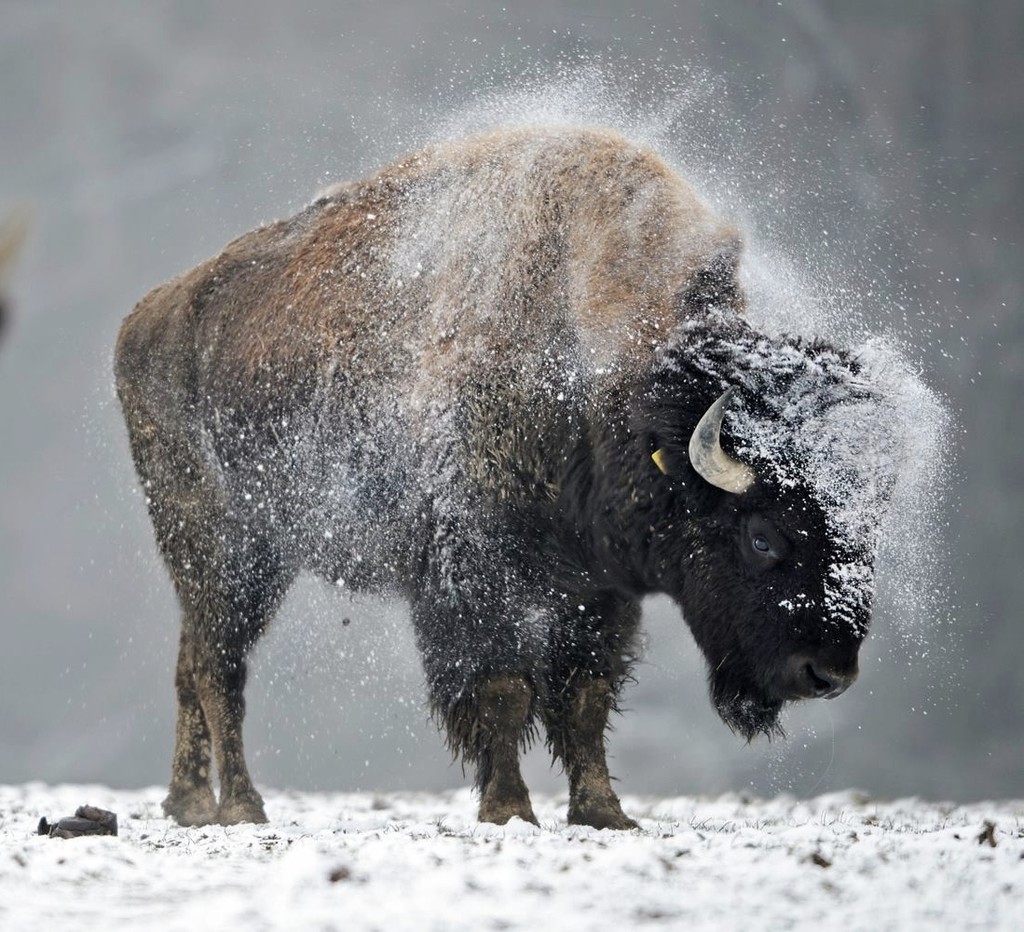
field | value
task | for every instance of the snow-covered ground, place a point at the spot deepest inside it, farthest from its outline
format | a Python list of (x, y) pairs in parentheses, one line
[(421, 861)]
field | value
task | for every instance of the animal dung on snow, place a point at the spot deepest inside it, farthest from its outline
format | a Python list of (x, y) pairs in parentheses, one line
[(87, 820)]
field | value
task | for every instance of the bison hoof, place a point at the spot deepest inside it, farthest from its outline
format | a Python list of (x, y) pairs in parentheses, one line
[(194, 806), (603, 815), (499, 811), (241, 809)]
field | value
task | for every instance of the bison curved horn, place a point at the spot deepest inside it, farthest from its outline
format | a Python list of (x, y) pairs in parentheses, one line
[(712, 463)]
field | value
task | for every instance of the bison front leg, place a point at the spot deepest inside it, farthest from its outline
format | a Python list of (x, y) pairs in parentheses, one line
[(481, 656), (591, 653), (482, 696), (487, 719), (503, 714), (578, 736)]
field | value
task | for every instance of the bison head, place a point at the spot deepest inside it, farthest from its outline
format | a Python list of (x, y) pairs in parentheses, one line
[(770, 495)]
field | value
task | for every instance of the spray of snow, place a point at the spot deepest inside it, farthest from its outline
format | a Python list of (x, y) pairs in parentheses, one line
[(876, 446)]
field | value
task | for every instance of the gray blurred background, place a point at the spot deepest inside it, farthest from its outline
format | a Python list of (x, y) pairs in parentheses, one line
[(880, 140)]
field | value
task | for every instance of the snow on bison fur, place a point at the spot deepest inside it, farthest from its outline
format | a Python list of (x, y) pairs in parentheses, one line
[(510, 380)]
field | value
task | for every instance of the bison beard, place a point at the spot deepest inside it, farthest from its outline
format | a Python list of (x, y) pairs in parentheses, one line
[(509, 380)]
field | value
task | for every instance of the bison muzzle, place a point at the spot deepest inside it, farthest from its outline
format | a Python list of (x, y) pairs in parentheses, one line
[(510, 380)]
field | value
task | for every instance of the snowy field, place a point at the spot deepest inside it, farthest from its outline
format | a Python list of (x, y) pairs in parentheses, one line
[(407, 861)]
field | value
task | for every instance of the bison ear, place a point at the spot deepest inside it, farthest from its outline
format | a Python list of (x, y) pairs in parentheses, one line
[(663, 456), (713, 284)]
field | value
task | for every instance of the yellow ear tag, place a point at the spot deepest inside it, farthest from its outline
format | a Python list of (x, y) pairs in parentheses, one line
[(659, 460)]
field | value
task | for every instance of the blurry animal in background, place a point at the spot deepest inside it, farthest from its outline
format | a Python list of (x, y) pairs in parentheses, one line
[(13, 234), (510, 380)]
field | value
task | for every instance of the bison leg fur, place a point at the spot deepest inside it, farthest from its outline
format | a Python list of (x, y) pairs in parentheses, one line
[(580, 745), (211, 708), (487, 726), (591, 657), (227, 632), (190, 799), (228, 603), (504, 706), (220, 685), (478, 666)]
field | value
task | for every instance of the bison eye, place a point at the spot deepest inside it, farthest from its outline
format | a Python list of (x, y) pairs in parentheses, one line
[(762, 545)]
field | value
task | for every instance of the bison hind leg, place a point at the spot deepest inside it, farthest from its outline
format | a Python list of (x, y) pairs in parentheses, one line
[(227, 603), (190, 799), (210, 711), (190, 805)]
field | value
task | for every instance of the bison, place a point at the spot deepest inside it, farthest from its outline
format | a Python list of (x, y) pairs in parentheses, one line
[(510, 380)]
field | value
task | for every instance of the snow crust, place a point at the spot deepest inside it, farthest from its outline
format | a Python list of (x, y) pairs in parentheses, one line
[(420, 861)]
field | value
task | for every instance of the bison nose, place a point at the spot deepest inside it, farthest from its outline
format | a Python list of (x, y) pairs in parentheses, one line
[(810, 678)]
